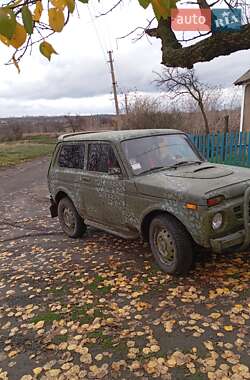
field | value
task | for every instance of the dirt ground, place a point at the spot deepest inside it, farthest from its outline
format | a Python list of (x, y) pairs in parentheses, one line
[(99, 308)]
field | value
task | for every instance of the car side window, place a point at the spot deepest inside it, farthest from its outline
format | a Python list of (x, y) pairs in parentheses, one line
[(72, 156), (101, 158)]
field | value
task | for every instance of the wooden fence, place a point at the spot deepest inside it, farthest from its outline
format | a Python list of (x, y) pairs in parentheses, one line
[(227, 148)]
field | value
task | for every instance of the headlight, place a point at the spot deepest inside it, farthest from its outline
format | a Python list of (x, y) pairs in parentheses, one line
[(217, 221)]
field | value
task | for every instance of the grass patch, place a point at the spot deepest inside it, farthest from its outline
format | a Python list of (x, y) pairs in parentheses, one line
[(50, 316), (59, 291), (105, 341), (80, 314), (236, 275), (97, 287), (244, 294), (154, 269), (100, 289), (12, 153), (98, 313), (41, 139), (196, 376), (145, 279), (60, 339)]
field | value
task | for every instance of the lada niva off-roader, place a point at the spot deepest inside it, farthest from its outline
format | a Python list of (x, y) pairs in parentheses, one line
[(153, 184)]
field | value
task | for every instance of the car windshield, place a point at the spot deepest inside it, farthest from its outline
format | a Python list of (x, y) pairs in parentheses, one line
[(151, 153)]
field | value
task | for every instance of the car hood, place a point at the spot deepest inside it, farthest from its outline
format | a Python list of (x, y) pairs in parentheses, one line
[(195, 182), (203, 171)]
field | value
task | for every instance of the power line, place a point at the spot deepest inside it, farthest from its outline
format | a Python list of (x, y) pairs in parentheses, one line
[(98, 37), (105, 26), (111, 69)]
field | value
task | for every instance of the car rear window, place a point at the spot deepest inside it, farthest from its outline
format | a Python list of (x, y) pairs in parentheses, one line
[(101, 158), (72, 156)]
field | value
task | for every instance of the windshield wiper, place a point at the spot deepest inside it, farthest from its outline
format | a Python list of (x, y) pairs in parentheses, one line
[(180, 163), (153, 169)]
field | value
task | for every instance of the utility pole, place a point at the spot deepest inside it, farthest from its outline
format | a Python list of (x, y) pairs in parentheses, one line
[(126, 102), (113, 82)]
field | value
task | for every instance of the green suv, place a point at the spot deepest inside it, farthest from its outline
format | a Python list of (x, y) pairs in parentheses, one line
[(153, 184)]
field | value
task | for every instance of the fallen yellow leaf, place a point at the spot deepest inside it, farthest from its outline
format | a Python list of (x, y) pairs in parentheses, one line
[(228, 328)]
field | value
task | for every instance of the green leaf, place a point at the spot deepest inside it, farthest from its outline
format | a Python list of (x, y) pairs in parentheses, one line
[(144, 3), (47, 49), (162, 8), (84, 1), (7, 22), (27, 19), (70, 5)]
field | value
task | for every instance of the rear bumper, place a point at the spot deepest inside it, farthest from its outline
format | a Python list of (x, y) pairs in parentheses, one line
[(239, 239)]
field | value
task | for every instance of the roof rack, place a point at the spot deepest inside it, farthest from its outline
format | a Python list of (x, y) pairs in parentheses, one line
[(62, 137)]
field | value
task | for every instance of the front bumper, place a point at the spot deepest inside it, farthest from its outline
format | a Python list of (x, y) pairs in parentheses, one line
[(239, 239)]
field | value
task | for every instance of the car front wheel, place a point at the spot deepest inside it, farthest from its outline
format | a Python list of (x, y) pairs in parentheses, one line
[(171, 245), (71, 222)]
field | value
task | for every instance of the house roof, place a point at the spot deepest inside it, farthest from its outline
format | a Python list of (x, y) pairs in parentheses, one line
[(245, 78)]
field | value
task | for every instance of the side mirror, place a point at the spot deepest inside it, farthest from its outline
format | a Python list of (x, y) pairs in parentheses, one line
[(116, 171)]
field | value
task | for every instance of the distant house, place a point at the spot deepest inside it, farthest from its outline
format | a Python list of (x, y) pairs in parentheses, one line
[(244, 81)]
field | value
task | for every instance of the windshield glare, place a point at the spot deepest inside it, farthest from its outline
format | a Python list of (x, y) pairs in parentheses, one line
[(146, 153)]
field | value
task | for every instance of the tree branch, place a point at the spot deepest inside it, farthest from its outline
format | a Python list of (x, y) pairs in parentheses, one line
[(218, 44), (142, 28), (111, 9)]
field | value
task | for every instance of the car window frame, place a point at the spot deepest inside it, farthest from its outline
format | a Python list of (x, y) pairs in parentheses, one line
[(71, 143), (117, 156)]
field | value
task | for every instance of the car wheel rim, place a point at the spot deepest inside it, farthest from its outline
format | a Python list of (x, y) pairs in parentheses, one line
[(165, 245), (69, 218)]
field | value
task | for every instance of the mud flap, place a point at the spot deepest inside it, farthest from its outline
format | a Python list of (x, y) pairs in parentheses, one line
[(53, 209)]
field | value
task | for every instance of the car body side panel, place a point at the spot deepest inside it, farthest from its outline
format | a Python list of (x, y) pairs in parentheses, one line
[(70, 187), (139, 206), (104, 197)]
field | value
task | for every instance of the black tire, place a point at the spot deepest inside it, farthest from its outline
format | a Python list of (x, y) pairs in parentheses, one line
[(71, 222), (171, 245)]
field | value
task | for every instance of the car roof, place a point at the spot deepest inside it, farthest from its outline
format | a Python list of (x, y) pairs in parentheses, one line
[(115, 135)]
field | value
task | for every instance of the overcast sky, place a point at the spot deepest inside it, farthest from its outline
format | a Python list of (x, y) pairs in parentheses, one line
[(78, 79)]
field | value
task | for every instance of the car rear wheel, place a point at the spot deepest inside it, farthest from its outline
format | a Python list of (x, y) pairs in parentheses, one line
[(71, 222), (171, 245)]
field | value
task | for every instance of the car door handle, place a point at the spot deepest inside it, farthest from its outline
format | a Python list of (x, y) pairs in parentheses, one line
[(85, 179)]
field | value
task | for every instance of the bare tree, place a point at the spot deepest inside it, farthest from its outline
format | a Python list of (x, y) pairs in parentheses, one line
[(183, 82), (145, 112), (73, 122)]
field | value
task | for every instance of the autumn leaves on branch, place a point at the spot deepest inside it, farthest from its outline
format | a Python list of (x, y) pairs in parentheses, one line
[(24, 23)]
